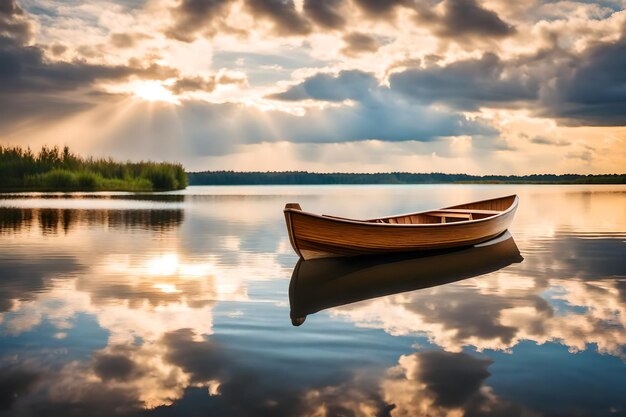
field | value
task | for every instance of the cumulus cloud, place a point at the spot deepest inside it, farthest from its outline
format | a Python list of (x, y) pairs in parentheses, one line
[(193, 84), (193, 16), (454, 387), (441, 384), (58, 49), (542, 140), (441, 60), (33, 86), (153, 356), (205, 84), (15, 382), (326, 13), (380, 8), (126, 40), (358, 43), (578, 89), (22, 285), (511, 306), (14, 24), (467, 84), (593, 90), (283, 14), (347, 85), (461, 19)]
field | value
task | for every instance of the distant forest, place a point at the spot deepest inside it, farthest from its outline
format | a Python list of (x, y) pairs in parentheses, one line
[(55, 169), (310, 178)]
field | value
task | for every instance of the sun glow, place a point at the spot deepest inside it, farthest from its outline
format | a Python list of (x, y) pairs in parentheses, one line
[(167, 288), (154, 91)]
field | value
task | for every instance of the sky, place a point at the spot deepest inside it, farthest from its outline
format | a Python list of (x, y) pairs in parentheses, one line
[(473, 86)]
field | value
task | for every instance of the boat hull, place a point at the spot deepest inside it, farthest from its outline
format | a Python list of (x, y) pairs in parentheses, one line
[(314, 236)]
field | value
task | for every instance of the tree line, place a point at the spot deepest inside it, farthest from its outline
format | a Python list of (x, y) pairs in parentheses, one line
[(56, 169), (313, 178)]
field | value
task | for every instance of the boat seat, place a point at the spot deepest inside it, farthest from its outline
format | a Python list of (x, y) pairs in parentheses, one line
[(450, 214), (470, 211)]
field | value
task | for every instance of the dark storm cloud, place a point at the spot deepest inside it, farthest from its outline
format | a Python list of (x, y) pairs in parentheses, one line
[(347, 85), (115, 366), (453, 378), (595, 92), (186, 84), (202, 359), (15, 382), (13, 24), (326, 13), (283, 14), (358, 43), (467, 84), (24, 69), (9, 7), (587, 89), (464, 18), (380, 8), (193, 16), (456, 381)]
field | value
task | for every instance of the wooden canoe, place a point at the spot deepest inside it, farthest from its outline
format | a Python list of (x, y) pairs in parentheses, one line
[(326, 283), (321, 236)]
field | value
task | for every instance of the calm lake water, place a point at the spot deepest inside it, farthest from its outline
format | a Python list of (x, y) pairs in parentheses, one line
[(179, 304)]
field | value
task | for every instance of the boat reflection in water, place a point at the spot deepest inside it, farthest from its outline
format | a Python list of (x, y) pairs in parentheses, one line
[(331, 282)]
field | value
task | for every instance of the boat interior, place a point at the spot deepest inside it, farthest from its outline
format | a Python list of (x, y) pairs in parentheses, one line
[(472, 211)]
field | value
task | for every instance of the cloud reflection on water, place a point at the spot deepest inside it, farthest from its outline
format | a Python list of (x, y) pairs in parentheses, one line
[(499, 311), (194, 306)]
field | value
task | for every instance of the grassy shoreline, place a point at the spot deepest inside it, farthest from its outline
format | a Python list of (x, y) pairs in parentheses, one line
[(55, 169)]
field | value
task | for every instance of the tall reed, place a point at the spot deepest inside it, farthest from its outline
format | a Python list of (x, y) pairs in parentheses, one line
[(59, 169)]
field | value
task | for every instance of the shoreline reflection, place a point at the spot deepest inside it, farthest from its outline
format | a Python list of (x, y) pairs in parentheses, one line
[(53, 221), (326, 283)]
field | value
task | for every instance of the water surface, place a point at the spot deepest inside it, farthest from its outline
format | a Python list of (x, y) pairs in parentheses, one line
[(178, 304)]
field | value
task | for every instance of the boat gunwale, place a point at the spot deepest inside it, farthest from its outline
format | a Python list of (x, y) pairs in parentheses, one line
[(372, 222)]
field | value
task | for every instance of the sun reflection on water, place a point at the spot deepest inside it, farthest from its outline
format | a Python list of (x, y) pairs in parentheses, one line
[(200, 301)]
